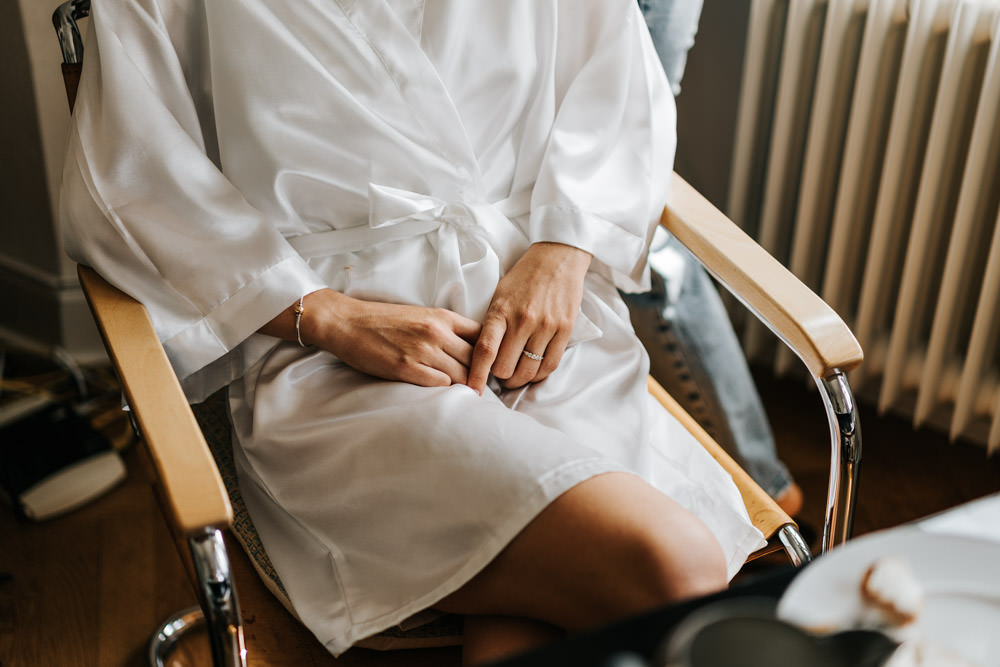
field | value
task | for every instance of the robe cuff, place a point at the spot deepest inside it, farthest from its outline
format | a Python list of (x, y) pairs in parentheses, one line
[(227, 326), (620, 251)]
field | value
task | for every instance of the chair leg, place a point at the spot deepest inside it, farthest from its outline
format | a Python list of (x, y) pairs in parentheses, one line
[(845, 437), (795, 546), (218, 599), (170, 632)]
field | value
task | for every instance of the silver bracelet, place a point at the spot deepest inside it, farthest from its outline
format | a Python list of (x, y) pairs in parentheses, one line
[(299, 309)]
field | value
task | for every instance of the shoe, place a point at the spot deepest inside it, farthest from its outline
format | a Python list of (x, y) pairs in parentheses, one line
[(790, 499)]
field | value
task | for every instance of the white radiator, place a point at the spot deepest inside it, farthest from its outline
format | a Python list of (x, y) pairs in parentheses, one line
[(867, 158)]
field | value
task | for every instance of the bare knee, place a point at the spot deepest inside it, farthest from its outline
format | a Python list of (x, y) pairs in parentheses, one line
[(681, 563), (664, 553), (656, 553), (610, 547)]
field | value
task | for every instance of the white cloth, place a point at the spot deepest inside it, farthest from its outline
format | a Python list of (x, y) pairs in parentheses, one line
[(230, 155), (977, 519)]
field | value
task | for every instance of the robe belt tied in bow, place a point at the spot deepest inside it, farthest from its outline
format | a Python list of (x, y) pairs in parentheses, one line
[(396, 214)]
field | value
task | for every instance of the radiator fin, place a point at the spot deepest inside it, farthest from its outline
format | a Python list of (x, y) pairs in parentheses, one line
[(786, 152), (867, 159)]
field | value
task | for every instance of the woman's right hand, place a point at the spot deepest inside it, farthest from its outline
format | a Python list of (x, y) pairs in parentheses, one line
[(431, 347)]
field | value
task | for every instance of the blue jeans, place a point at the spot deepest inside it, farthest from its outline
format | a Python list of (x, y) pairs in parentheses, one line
[(694, 352), (672, 25)]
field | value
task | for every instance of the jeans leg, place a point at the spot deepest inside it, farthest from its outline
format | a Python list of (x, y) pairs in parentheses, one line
[(694, 352), (672, 25), (696, 355)]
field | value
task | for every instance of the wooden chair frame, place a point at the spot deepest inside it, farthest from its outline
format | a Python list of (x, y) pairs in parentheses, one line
[(198, 508)]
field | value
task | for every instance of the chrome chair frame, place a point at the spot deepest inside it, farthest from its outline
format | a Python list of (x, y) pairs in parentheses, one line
[(64, 21), (219, 609)]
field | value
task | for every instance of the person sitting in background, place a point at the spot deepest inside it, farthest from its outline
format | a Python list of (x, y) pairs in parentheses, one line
[(694, 352)]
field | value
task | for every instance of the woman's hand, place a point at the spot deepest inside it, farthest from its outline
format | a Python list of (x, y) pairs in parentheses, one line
[(533, 310), (431, 347)]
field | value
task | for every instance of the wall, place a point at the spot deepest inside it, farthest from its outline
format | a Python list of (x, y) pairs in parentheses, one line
[(706, 107), (40, 303)]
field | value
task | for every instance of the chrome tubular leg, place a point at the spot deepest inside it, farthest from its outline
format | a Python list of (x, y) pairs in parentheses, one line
[(796, 547), (168, 634), (64, 21), (845, 438), (218, 599)]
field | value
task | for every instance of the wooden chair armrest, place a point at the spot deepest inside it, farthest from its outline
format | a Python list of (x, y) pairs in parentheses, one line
[(790, 309), (183, 462), (765, 514)]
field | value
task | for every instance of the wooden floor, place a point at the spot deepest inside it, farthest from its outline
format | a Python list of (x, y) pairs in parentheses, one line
[(87, 589)]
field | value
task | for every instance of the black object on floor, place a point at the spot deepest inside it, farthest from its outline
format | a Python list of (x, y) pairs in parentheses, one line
[(642, 635), (53, 460)]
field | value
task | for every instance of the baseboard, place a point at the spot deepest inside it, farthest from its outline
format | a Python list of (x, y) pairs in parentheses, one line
[(39, 316)]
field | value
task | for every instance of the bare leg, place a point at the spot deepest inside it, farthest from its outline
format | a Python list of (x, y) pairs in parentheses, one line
[(490, 638), (609, 547)]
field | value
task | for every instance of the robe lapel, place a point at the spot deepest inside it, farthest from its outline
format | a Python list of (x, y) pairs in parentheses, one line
[(395, 41)]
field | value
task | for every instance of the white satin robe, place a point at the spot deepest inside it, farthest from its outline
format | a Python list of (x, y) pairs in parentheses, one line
[(229, 156)]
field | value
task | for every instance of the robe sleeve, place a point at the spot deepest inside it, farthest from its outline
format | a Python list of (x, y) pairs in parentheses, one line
[(144, 204), (604, 175)]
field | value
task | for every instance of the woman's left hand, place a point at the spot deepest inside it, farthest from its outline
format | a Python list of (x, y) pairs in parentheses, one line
[(531, 317)]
